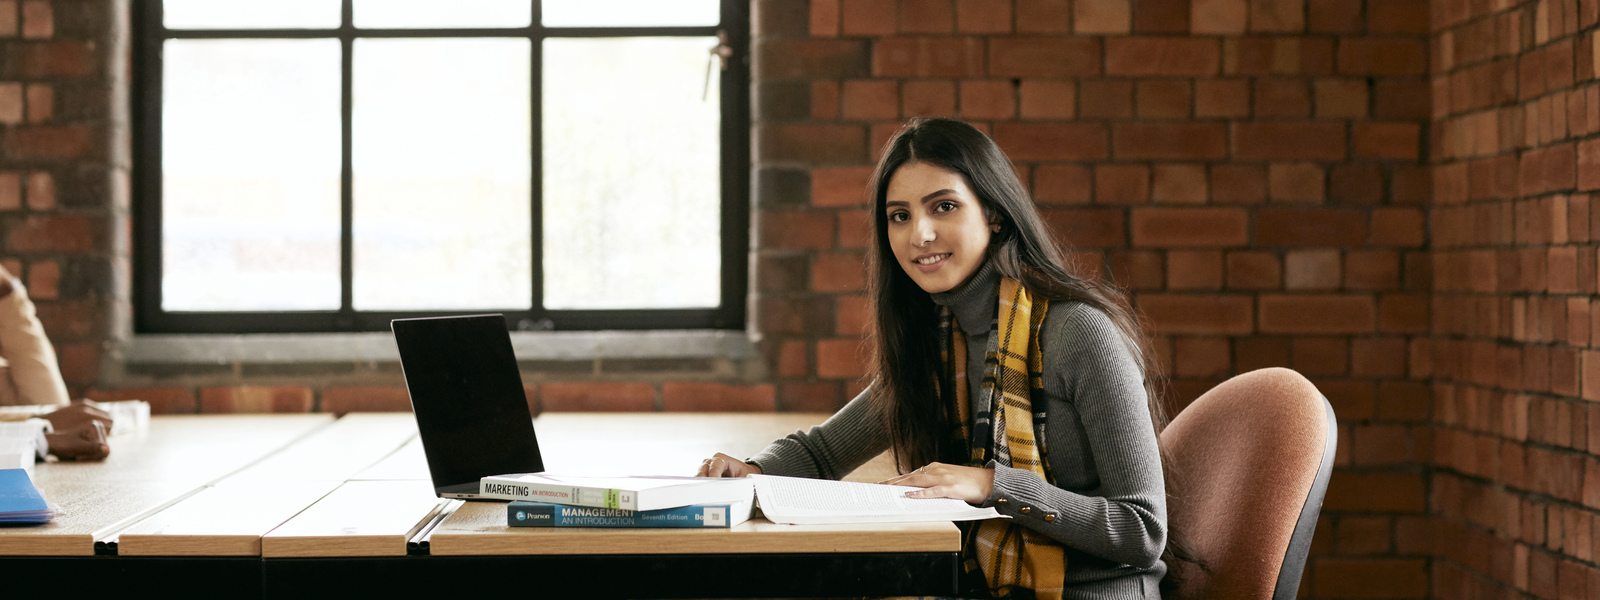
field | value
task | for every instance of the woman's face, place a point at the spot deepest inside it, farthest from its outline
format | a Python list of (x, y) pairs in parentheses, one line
[(937, 228)]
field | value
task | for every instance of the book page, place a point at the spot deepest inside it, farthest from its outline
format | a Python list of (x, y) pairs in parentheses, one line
[(800, 500)]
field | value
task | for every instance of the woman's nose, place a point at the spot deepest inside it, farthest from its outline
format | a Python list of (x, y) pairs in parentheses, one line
[(924, 232)]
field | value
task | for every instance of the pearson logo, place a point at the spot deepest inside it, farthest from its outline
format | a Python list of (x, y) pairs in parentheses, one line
[(522, 516)]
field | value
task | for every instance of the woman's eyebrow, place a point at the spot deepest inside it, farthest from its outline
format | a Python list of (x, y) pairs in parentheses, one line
[(937, 194)]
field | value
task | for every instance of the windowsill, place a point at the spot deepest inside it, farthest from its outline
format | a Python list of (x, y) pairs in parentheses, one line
[(379, 347)]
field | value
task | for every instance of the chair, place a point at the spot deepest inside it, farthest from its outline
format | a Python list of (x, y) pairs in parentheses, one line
[(1252, 458)]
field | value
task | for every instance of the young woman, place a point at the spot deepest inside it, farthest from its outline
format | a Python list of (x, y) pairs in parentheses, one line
[(1001, 378)]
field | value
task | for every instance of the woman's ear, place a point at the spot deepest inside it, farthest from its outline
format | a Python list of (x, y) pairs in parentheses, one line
[(994, 227)]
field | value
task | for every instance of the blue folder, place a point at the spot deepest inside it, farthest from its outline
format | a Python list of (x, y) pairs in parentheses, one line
[(20, 501)]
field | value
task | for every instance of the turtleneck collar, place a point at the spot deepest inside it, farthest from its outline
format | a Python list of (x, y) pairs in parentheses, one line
[(974, 302)]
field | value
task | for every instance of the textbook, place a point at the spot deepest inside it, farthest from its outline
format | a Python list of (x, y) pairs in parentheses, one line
[(544, 514), (628, 493), (20, 502), (800, 501)]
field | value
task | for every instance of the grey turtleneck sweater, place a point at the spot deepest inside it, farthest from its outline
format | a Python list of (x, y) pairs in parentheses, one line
[(1109, 504)]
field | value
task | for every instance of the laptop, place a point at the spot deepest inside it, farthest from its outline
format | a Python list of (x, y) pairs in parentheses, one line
[(467, 394)]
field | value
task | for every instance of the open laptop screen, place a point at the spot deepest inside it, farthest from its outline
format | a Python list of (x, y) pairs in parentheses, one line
[(466, 391)]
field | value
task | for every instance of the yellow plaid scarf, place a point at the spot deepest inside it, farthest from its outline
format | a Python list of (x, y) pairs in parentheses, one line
[(1011, 431)]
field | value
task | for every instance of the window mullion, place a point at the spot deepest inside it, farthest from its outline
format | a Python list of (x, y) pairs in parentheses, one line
[(346, 169)]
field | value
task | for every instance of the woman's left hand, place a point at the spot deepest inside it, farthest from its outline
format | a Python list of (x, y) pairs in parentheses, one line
[(939, 480)]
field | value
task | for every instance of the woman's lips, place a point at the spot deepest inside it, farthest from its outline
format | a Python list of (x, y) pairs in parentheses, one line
[(931, 262)]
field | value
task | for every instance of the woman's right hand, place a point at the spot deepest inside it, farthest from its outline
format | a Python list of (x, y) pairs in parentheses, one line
[(723, 465)]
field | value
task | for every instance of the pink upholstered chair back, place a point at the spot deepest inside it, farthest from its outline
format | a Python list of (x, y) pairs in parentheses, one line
[(1252, 459)]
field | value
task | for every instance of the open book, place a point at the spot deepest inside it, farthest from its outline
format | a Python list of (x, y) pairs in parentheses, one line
[(800, 501)]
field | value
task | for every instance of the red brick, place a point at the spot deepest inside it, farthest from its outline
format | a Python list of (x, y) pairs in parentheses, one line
[(1121, 184), (1403, 227), (1054, 141), (678, 396), (41, 191), (1153, 141), (1370, 577), (1356, 184), (927, 57), (1161, 16), (1238, 184), (1049, 57), (928, 98), (842, 358), (810, 59), (1102, 16), (1088, 227), (1288, 141), (1364, 535), (1139, 270), (1334, 16), (1048, 99), (1201, 314), (825, 100), (162, 400), (1200, 357), (852, 315), (1311, 270), (1188, 227), (820, 397), (927, 16), (793, 359), (1106, 99), (1588, 169), (983, 16), (871, 99), (68, 141), (855, 228), (1401, 99), (1254, 271), (1061, 184), (1310, 227), (1374, 492), (1181, 184), (10, 191), (1277, 16), (1164, 99), (56, 59), (1371, 270), (1180, 57), (1213, 17), (837, 273), (1387, 140), (1320, 313), (797, 230), (868, 17), (341, 400), (1194, 270), (1043, 16), (1277, 97), (1382, 56), (255, 399), (55, 233), (813, 143), (840, 186), (44, 280), (1341, 98), (597, 397), (988, 99), (824, 18), (1221, 98), (1296, 182), (1321, 356)]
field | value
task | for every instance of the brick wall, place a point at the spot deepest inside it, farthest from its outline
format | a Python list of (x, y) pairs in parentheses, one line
[(63, 180), (1253, 171), (1516, 485)]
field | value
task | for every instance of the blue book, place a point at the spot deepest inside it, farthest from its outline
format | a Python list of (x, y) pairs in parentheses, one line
[(20, 502), (697, 516)]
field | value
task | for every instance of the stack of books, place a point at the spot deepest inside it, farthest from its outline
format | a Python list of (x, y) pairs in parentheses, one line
[(20, 501), (546, 500)]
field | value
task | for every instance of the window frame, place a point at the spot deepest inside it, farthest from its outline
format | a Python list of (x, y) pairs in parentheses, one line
[(150, 35)]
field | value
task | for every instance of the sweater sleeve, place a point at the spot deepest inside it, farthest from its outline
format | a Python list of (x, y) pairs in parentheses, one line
[(1124, 518), (847, 440)]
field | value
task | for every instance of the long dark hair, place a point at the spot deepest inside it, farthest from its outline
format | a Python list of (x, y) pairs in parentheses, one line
[(907, 367)]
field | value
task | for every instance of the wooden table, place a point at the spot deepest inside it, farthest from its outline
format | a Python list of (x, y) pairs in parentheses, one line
[(284, 506)]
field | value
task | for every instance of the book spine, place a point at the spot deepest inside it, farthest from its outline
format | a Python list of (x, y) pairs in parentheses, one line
[(540, 514), (501, 488)]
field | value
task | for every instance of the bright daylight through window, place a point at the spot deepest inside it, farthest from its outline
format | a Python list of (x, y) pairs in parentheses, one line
[(330, 164)]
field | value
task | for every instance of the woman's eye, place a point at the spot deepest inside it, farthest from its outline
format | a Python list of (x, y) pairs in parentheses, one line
[(897, 217), (946, 206)]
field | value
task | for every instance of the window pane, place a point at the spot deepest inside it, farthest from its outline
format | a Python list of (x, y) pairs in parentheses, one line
[(438, 14), (443, 163), (631, 173), (251, 14), (250, 175), (630, 13)]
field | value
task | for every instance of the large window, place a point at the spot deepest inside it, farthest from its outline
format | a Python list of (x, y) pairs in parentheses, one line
[(329, 165)]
